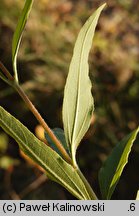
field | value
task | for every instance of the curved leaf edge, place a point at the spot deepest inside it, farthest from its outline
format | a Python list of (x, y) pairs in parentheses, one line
[(48, 159), (75, 124), (107, 183), (18, 34)]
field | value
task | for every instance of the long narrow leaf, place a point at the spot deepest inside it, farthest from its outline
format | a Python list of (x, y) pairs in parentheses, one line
[(18, 34), (55, 166), (111, 171), (59, 133), (78, 102)]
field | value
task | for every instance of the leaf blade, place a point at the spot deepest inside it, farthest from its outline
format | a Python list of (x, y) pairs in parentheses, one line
[(58, 169), (111, 171), (77, 112), (59, 133), (18, 34)]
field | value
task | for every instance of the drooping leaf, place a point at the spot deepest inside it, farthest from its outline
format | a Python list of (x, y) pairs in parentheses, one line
[(18, 34), (137, 197), (78, 102), (56, 167), (112, 168), (59, 133)]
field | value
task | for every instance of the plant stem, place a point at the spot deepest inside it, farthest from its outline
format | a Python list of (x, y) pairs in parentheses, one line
[(33, 186), (11, 80), (33, 109), (6, 72), (87, 185), (42, 122)]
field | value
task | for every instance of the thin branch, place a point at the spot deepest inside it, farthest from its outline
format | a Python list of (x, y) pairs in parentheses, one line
[(6, 72), (33, 109), (7, 179), (42, 122), (33, 186)]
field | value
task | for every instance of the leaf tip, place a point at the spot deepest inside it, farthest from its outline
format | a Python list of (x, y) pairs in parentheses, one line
[(103, 5)]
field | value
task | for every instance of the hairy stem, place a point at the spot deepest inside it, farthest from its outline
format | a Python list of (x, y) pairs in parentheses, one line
[(42, 122)]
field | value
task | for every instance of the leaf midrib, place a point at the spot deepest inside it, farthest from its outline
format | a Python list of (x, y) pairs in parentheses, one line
[(78, 85), (43, 164)]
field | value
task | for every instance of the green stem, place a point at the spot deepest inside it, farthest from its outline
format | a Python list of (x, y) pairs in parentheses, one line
[(90, 191)]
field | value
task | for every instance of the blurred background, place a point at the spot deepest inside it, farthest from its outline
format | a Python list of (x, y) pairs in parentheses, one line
[(43, 62)]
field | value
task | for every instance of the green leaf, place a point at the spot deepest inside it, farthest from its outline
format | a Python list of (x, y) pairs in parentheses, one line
[(59, 133), (56, 167), (112, 168), (78, 102), (137, 197), (18, 34)]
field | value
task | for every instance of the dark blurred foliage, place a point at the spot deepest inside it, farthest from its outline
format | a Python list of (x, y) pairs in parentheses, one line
[(43, 62)]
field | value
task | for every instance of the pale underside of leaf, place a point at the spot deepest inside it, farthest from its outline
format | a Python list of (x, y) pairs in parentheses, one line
[(56, 168), (18, 34), (112, 169), (78, 104)]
